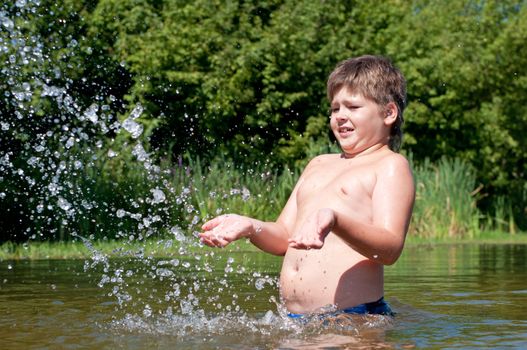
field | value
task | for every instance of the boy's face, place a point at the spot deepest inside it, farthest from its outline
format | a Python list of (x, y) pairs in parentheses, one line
[(357, 122)]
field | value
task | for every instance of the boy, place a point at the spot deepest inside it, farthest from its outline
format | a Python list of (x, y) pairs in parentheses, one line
[(348, 214)]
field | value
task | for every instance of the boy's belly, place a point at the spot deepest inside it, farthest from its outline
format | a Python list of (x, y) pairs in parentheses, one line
[(334, 275)]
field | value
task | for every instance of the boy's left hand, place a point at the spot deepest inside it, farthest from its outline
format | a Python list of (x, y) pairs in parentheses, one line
[(313, 232)]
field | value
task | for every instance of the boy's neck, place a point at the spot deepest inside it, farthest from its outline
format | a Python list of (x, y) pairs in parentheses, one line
[(370, 150)]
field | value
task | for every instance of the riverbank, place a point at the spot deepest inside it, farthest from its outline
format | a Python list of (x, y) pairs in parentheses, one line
[(160, 248)]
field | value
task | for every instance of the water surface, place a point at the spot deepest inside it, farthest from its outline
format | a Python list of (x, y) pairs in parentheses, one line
[(445, 296)]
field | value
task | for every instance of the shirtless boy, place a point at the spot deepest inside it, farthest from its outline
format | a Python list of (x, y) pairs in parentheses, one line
[(348, 214)]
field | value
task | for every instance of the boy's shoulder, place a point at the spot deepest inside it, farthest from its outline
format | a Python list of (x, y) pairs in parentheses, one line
[(395, 159), (390, 162)]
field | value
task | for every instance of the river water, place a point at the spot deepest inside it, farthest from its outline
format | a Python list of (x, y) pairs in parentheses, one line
[(445, 296)]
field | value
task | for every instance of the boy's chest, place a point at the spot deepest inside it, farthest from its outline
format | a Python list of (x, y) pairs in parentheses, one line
[(348, 183)]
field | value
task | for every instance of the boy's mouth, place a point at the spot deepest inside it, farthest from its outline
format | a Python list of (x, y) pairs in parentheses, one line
[(345, 130)]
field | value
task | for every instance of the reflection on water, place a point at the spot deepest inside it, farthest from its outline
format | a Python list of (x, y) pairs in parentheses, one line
[(445, 296)]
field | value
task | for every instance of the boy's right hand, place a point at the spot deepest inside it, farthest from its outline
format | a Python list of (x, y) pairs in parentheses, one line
[(225, 229), (313, 232)]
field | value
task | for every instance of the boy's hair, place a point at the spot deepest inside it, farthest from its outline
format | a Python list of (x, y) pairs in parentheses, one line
[(376, 78)]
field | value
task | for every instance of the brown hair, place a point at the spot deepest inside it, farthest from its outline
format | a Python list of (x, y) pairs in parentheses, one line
[(376, 78)]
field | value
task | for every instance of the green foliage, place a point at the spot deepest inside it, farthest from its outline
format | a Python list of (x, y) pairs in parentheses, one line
[(244, 82), (235, 77), (466, 78)]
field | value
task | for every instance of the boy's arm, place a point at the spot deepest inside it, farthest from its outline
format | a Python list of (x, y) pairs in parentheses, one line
[(392, 203), (271, 237)]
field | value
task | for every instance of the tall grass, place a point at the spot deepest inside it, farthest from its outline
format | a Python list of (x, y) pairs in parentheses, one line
[(446, 198), (223, 187), (446, 203), (501, 216), (113, 197)]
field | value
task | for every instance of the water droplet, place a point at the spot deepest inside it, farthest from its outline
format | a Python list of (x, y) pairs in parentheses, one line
[(159, 196), (135, 129), (63, 204), (70, 143), (163, 272), (259, 283), (147, 312), (137, 111), (140, 153), (6, 22)]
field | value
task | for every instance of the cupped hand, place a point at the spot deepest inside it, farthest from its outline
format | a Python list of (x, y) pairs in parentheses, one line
[(225, 229), (313, 232)]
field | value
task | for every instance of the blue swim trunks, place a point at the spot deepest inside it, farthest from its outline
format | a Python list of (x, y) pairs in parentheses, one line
[(379, 307)]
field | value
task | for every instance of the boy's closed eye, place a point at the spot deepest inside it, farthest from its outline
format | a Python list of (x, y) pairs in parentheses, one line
[(352, 106), (348, 107)]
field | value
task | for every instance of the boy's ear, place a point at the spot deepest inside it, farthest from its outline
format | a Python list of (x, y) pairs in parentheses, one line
[(391, 113)]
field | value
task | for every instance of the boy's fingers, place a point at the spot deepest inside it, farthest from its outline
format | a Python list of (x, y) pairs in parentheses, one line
[(206, 242), (213, 241), (219, 240), (317, 244), (210, 224), (304, 244), (213, 223)]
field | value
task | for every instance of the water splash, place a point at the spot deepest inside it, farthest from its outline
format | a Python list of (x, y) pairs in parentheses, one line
[(57, 146)]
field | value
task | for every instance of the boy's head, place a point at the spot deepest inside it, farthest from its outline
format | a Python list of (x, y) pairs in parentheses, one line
[(377, 79)]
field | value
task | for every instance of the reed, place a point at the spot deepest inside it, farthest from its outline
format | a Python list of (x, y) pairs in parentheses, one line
[(446, 198), (222, 187), (500, 217)]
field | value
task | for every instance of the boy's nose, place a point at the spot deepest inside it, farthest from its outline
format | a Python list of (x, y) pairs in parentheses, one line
[(342, 116)]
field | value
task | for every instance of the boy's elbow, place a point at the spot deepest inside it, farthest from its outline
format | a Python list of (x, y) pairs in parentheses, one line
[(282, 253), (391, 257), (387, 260), (390, 260)]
